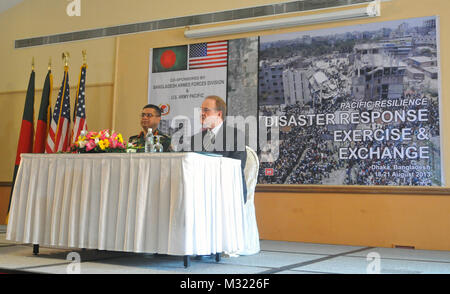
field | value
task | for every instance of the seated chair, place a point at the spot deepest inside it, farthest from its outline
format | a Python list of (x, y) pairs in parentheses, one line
[(251, 235)]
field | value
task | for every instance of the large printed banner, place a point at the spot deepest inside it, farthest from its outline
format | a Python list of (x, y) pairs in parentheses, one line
[(356, 105), (181, 77)]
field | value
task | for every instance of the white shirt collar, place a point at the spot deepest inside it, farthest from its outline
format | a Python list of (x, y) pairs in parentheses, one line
[(217, 128)]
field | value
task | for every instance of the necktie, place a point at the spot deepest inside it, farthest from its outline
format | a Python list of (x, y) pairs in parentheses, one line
[(208, 141)]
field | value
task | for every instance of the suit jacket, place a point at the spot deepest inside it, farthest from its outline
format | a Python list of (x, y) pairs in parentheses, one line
[(234, 147)]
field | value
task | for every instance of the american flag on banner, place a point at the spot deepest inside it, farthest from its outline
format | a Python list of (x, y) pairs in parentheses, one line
[(58, 134), (208, 55), (79, 115)]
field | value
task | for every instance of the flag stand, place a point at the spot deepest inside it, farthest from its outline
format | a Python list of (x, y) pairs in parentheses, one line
[(65, 57), (35, 249)]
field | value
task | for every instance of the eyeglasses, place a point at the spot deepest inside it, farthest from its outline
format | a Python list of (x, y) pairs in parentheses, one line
[(149, 115), (206, 110)]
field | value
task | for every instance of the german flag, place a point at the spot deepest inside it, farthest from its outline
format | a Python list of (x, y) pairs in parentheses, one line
[(25, 144)]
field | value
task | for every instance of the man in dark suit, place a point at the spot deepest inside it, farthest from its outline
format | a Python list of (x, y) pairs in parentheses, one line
[(219, 137)]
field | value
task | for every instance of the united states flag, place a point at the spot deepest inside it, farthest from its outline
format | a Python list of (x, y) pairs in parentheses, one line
[(208, 55), (79, 115), (58, 134)]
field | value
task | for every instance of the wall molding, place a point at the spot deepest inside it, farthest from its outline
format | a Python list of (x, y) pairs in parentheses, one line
[(184, 21), (96, 85), (404, 190), (325, 189)]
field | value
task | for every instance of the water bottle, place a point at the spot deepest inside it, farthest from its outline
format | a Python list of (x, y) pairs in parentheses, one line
[(149, 141)]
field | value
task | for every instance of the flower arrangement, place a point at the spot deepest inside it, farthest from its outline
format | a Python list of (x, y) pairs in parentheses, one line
[(96, 142)]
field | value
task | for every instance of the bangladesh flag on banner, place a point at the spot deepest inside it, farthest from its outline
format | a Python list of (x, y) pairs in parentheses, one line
[(169, 59)]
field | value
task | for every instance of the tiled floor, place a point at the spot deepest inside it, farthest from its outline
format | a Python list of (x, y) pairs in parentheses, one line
[(275, 258)]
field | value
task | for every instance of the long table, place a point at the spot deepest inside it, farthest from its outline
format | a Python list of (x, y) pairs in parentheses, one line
[(168, 203)]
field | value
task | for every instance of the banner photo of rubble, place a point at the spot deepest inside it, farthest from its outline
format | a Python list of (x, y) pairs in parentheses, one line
[(355, 105)]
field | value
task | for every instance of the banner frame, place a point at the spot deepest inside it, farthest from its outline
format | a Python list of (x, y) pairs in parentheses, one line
[(398, 190)]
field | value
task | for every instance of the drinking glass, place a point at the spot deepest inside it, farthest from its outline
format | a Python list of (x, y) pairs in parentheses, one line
[(157, 147)]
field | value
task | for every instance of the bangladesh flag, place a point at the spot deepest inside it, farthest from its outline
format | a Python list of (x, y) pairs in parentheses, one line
[(169, 59), (26, 135), (45, 114)]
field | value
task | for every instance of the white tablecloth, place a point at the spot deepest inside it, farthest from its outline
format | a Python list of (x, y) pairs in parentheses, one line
[(168, 203)]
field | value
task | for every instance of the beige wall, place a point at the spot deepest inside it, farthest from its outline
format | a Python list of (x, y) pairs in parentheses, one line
[(118, 73), (99, 111), (380, 220), (5, 191), (34, 18)]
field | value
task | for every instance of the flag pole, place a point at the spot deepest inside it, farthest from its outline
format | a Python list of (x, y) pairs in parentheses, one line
[(49, 109), (32, 70), (65, 57), (79, 119), (84, 56)]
